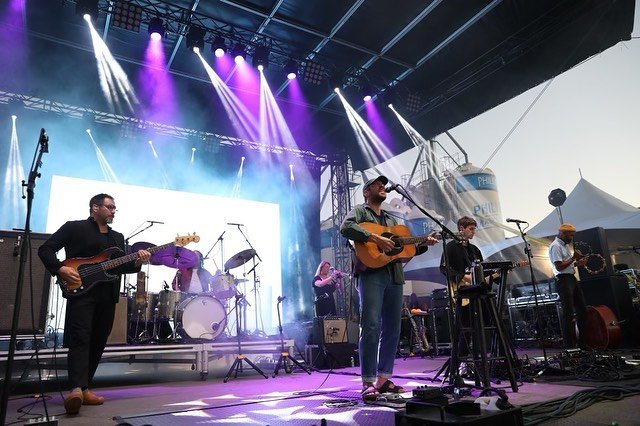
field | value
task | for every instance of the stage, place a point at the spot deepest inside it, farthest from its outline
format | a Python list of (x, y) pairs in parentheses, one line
[(167, 393)]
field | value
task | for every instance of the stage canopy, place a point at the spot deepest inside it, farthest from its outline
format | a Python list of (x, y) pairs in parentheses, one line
[(440, 62)]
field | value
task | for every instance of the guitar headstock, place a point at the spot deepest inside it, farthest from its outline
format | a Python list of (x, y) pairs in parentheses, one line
[(522, 263), (186, 239)]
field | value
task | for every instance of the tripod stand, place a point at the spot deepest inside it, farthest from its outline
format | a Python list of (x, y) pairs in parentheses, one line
[(284, 355), (237, 364)]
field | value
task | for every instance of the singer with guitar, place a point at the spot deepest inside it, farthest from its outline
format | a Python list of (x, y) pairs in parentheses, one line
[(89, 316), (380, 293)]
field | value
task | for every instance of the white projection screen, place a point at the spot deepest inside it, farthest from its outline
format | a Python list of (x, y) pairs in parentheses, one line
[(182, 213)]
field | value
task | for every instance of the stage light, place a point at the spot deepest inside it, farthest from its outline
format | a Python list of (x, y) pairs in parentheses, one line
[(390, 106), (87, 7), (156, 28), (127, 16), (219, 46), (337, 90), (313, 72), (291, 69), (260, 68), (239, 53), (14, 117), (195, 39), (367, 91), (261, 56), (413, 102)]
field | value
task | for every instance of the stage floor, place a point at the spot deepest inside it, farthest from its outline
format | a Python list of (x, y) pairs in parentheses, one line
[(167, 394)]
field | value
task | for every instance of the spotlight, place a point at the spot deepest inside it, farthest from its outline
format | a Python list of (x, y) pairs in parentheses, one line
[(127, 16), (88, 131), (195, 39), (291, 69), (238, 52), (261, 56), (193, 149), (260, 68), (87, 7), (390, 106), (14, 117), (219, 46), (367, 92), (337, 90), (156, 28)]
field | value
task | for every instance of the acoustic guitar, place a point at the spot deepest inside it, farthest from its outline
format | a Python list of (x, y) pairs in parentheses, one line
[(96, 269), (371, 256), (454, 286)]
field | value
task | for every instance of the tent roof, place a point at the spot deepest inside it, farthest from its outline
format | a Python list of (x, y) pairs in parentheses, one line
[(588, 206)]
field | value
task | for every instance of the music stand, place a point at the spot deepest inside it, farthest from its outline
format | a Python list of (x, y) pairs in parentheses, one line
[(237, 364), (284, 355)]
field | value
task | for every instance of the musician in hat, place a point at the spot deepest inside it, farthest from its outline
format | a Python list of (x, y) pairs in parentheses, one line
[(380, 293), (563, 264)]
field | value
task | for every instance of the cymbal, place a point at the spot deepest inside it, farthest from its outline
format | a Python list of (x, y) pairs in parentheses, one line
[(175, 257), (239, 259)]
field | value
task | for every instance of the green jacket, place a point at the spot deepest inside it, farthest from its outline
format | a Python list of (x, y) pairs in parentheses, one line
[(351, 230)]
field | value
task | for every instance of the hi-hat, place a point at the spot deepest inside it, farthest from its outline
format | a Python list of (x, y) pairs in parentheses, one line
[(175, 257), (239, 259)]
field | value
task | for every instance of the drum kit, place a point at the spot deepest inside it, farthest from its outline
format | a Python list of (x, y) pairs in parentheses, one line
[(171, 314)]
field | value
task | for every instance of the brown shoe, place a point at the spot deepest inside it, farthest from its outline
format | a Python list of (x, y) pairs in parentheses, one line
[(90, 398), (72, 402)]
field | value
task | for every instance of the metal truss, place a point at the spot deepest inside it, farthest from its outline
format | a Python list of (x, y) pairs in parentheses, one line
[(101, 117), (341, 205)]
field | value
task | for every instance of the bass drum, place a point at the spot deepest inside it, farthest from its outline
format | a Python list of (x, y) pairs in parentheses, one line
[(201, 317)]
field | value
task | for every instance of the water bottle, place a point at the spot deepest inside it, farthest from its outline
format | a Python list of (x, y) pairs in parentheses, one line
[(352, 362)]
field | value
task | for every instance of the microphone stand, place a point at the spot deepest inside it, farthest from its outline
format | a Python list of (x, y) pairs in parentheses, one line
[(126, 244), (257, 331), (534, 285), (221, 239), (42, 148), (284, 355), (445, 233)]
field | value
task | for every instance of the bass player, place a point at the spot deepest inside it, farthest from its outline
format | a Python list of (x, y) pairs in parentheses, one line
[(89, 317)]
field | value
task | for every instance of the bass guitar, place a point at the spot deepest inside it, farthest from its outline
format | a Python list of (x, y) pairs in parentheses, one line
[(370, 255), (96, 269), (454, 286)]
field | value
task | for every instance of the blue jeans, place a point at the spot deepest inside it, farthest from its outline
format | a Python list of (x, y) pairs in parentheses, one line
[(380, 312)]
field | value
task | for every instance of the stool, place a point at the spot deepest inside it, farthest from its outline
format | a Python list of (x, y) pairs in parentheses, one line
[(481, 358)]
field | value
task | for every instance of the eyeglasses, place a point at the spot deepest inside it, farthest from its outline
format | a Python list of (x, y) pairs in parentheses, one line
[(110, 207)]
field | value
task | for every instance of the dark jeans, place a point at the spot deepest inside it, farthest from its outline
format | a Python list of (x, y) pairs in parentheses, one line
[(380, 313), (87, 326), (572, 300)]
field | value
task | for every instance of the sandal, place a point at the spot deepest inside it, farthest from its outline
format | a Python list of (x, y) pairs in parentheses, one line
[(369, 393), (390, 387)]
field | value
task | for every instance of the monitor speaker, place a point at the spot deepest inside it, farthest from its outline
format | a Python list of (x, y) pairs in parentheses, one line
[(36, 282)]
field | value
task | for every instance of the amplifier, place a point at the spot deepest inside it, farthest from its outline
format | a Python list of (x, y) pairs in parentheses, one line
[(329, 330), (524, 324)]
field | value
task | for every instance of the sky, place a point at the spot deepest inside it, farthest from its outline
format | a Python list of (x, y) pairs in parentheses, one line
[(588, 121)]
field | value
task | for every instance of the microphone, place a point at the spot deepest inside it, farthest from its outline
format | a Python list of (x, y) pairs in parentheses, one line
[(235, 224), (215, 326), (392, 188), (155, 221), (516, 220), (281, 298)]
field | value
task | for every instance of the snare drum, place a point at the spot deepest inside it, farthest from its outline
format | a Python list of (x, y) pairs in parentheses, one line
[(168, 301), (201, 317), (223, 286)]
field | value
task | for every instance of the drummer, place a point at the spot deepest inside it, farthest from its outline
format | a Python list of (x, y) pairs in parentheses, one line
[(192, 280)]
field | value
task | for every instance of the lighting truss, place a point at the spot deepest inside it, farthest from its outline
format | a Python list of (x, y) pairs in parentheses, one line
[(127, 16), (101, 117)]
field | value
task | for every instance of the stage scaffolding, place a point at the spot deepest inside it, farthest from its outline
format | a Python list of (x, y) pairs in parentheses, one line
[(341, 205)]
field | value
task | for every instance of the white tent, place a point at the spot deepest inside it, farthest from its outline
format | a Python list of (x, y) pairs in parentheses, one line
[(587, 206)]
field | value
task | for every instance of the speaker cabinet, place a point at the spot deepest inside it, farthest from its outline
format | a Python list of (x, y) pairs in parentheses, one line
[(118, 334), (34, 273), (329, 330), (439, 326), (614, 292), (335, 355)]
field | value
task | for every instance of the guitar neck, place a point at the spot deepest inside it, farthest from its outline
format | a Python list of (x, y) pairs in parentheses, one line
[(412, 240), (114, 263)]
